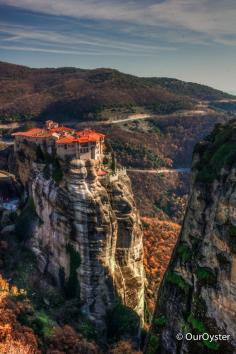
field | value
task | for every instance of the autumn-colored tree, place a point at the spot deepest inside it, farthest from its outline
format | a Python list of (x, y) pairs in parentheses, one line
[(123, 347), (16, 347), (14, 337), (159, 240), (66, 341)]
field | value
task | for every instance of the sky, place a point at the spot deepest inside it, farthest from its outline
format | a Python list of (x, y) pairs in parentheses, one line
[(193, 40)]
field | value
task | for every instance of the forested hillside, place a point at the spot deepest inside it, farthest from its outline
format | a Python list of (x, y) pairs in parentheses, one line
[(71, 93)]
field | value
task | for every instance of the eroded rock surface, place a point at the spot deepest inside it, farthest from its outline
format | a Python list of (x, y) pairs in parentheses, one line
[(89, 236), (198, 294)]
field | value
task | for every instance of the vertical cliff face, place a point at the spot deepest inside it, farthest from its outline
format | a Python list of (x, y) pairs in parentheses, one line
[(198, 294), (89, 237)]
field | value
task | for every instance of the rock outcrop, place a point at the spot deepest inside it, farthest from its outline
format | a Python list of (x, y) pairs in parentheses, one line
[(88, 237), (198, 294)]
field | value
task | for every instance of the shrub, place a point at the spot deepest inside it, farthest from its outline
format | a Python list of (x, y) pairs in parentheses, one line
[(15, 337), (177, 280), (200, 327), (66, 340), (153, 345), (38, 321), (121, 322), (196, 324), (184, 252), (43, 325), (206, 276), (159, 321), (16, 347), (88, 330), (123, 347), (211, 345)]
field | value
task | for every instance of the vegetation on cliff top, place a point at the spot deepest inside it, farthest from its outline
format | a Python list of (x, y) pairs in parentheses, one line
[(218, 151)]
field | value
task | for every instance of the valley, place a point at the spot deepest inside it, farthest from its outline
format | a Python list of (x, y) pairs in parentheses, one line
[(88, 230)]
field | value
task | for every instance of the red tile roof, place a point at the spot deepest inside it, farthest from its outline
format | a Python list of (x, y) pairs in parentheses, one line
[(61, 129), (88, 135), (84, 136), (81, 137), (35, 133), (66, 140)]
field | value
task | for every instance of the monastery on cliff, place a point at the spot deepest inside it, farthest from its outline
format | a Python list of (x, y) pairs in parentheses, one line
[(66, 142)]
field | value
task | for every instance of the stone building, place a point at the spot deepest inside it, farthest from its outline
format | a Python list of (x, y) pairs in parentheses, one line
[(85, 144), (65, 142)]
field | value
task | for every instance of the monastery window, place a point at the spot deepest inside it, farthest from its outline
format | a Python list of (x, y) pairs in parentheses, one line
[(65, 146), (84, 150)]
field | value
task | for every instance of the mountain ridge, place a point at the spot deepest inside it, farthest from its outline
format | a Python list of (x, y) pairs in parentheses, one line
[(92, 94)]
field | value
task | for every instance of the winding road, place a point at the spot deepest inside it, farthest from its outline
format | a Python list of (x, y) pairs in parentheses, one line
[(201, 110), (161, 170), (197, 112)]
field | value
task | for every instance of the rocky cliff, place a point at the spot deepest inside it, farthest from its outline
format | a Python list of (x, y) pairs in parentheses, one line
[(198, 294), (88, 235)]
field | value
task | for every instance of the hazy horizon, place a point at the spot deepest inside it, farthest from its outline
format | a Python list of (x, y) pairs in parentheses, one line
[(183, 39)]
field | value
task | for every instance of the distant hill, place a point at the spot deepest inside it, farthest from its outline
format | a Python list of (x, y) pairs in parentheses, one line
[(71, 93), (190, 89)]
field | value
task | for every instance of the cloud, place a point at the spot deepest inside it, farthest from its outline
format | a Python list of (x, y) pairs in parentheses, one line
[(47, 50), (212, 17), (67, 51), (69, 41)]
